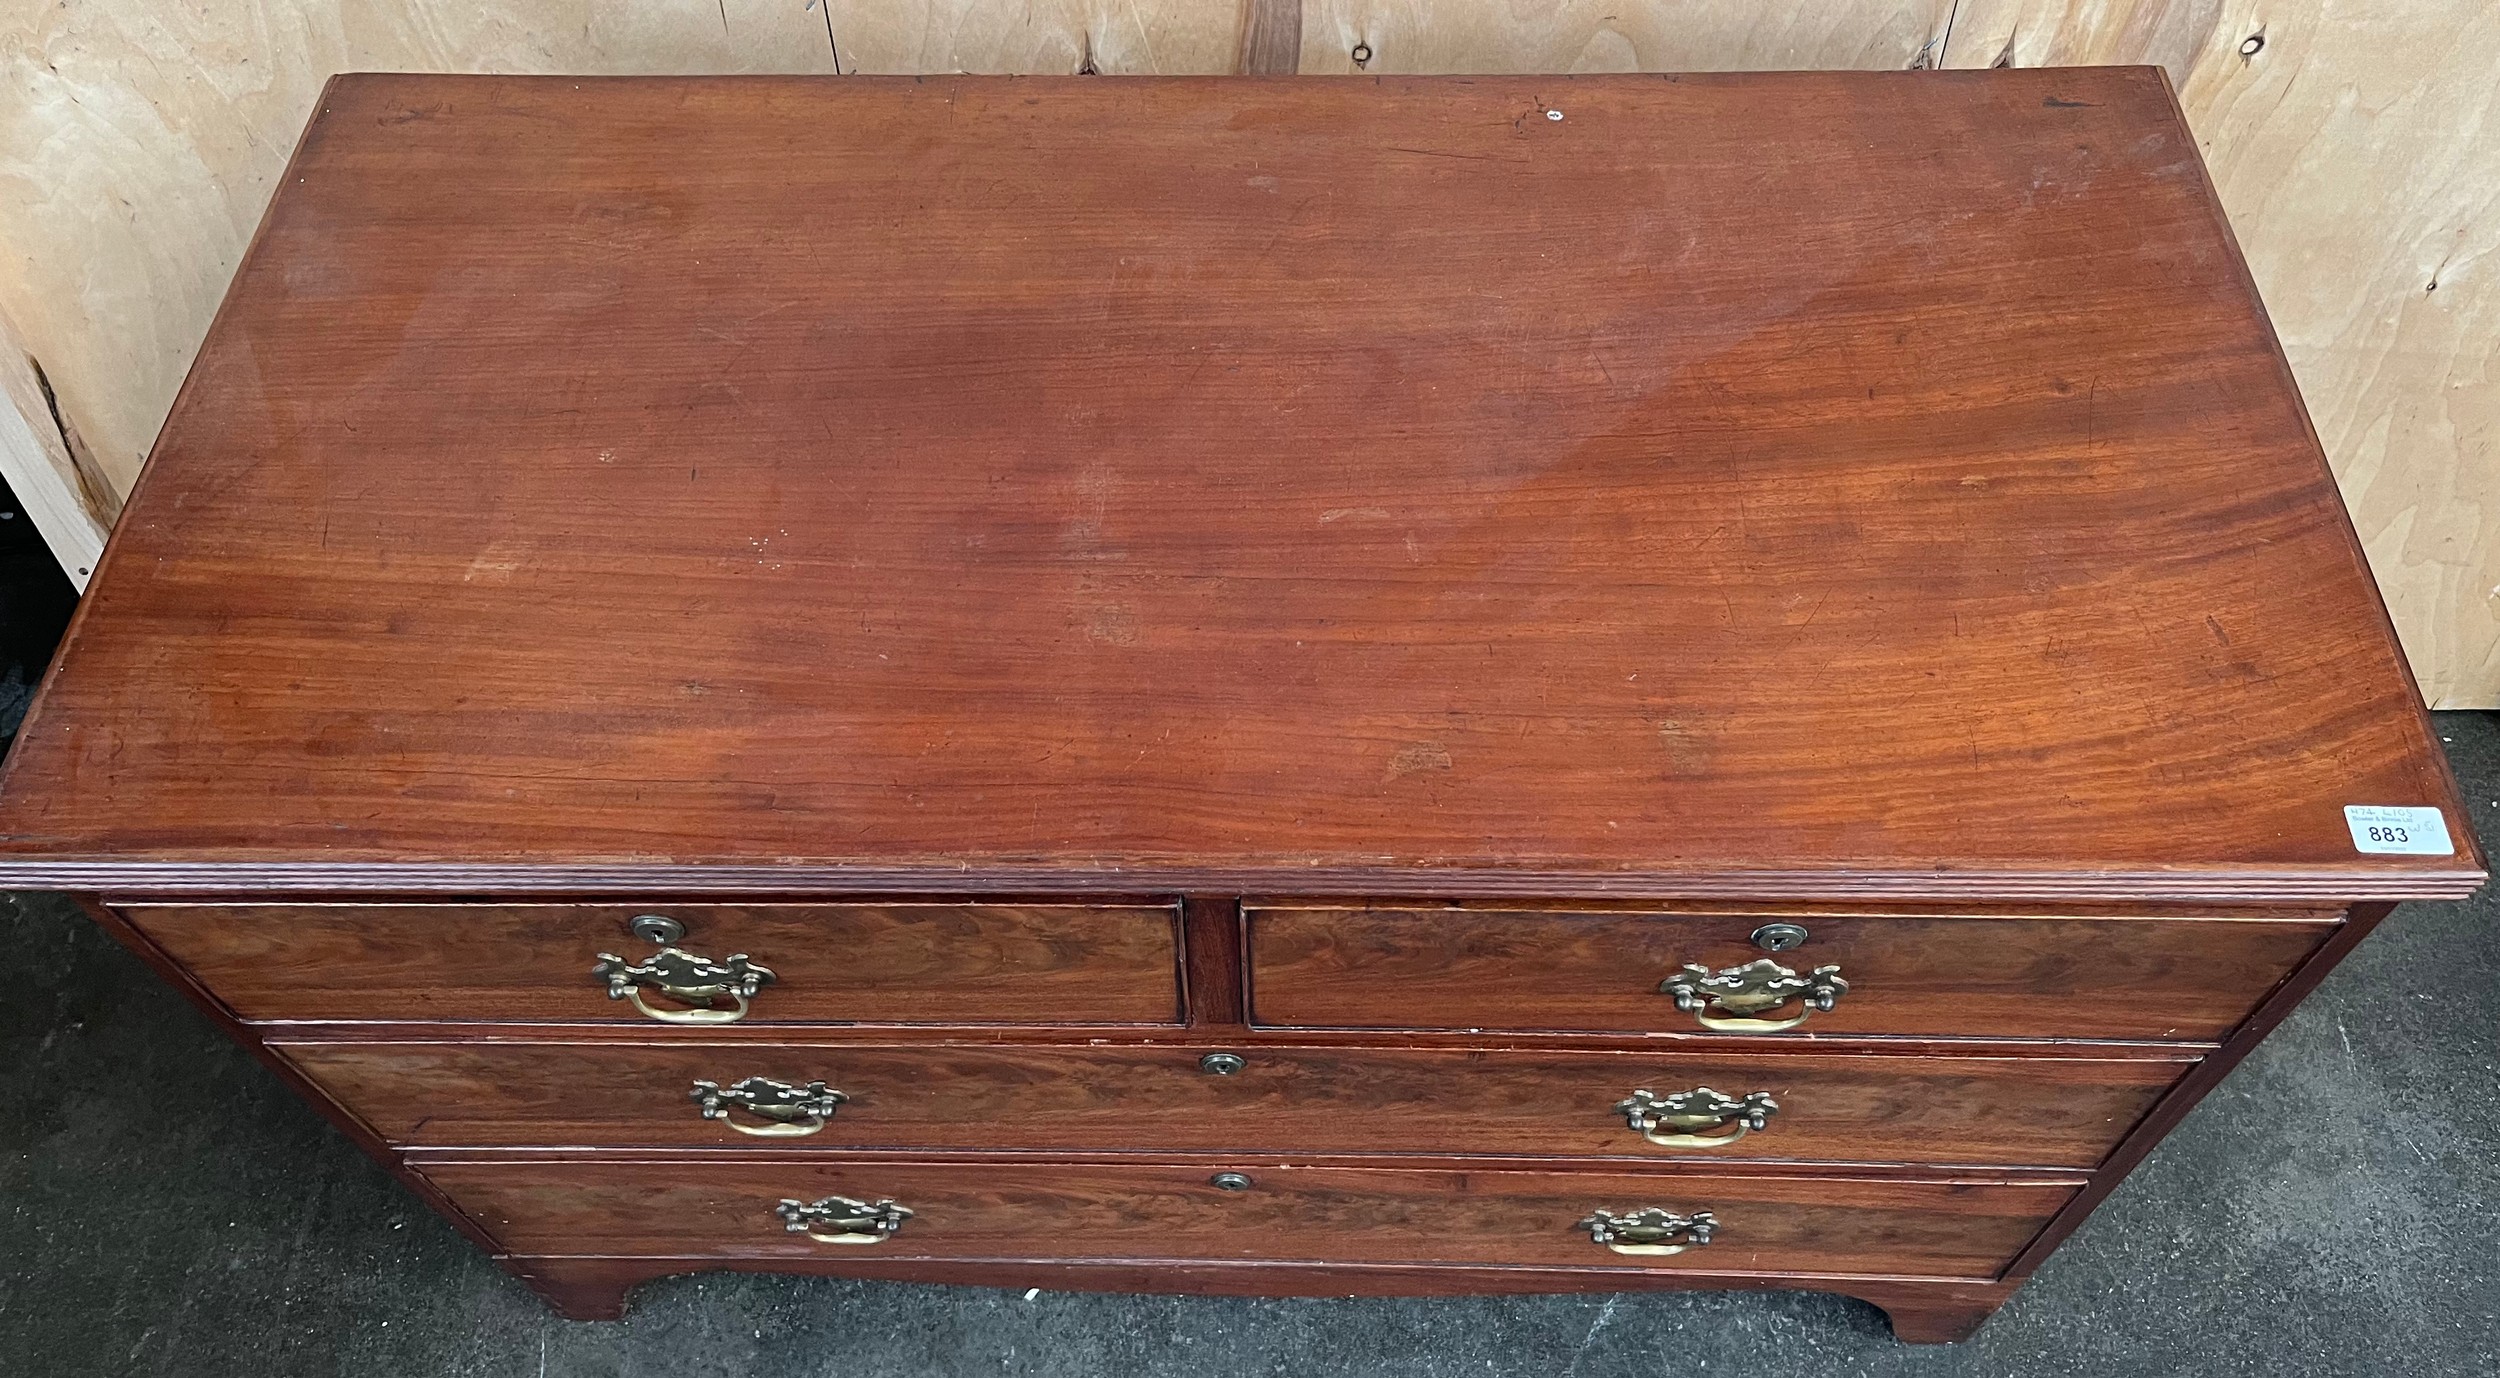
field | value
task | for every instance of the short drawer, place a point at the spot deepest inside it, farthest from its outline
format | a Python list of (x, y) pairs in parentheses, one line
[(1151, 1212), (827, 963), (1605, 971), (1955, 1111)]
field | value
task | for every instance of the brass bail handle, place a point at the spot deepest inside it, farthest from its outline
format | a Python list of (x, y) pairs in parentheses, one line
[(1735, 999), (787, 1111), (1676, 1120), (1651, 1231), (696, 982), (842, 1220)]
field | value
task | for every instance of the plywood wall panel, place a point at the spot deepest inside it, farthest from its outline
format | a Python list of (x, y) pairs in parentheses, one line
[(71, 508), (2170, 34), (1110, 37), (2354, 145), (1607, 36)]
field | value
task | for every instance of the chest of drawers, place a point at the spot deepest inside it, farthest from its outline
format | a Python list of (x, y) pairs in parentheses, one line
[(1275, 687)]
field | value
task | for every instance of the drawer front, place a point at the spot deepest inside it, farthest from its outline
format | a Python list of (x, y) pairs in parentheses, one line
[(705, 1209), (1954, 1111), (2116, 978), (829, 963)]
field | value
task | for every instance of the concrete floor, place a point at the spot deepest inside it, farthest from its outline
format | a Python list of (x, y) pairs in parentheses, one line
[(167, 1207)]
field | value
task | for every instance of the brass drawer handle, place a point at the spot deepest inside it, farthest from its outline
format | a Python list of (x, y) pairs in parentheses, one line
[(1744, 992), (1651, 1232), (841, 1220), (682, 976), (1652, 1116), (788, 1111)]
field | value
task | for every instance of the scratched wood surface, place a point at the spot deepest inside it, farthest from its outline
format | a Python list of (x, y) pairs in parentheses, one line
[(1343, 486)]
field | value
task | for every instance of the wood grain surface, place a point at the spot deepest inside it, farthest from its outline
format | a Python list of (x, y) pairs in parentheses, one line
[(1955, 1228), (2059, 1112), (1437, 968), (832, 963), (694, 480)]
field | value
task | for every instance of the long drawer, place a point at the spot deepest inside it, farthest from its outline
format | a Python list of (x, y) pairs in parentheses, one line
[(825, 963), (1946, 1228), (2001, 1111), (1610, 971)]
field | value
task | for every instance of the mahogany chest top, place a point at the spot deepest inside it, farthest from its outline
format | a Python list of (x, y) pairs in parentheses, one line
[(1816, 484)]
